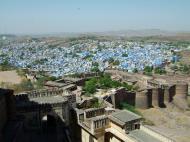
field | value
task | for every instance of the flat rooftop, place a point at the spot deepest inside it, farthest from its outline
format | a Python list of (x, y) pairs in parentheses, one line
[(124, 116)]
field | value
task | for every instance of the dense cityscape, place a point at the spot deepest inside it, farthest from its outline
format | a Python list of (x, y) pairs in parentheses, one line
[(81, 57)]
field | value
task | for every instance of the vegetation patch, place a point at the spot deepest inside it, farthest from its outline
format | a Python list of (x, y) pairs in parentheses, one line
[(103, 82), (96, 103), (149, 70)]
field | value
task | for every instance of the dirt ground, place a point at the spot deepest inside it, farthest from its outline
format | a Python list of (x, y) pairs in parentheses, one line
[(170, 121), (185, 57), (10, 77)]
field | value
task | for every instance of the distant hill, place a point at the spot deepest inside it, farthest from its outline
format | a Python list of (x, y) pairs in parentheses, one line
[(7, 35), (143, 33), (156, 33)]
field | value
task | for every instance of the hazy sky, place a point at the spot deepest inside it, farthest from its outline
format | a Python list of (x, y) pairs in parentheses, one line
[(52, 16)]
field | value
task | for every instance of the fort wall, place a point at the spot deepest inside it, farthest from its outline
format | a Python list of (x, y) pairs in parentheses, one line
[(122, 95), (141, 100), (7, 108), (34, 110), (181, 90), (155, 102), (180, 98), (3, 111)]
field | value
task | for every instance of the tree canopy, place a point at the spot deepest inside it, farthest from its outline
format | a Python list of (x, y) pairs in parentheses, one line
[(103, 82)]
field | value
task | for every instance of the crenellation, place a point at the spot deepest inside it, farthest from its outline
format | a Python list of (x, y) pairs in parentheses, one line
[(94, 112)]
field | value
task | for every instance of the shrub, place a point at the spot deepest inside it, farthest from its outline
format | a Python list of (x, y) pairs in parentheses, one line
[(159, 70)]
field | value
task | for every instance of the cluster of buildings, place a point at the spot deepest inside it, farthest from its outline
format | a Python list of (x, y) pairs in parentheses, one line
[(58, 60), (60, 113)]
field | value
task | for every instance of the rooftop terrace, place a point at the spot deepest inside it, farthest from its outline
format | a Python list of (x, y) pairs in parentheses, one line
[(124, 116)]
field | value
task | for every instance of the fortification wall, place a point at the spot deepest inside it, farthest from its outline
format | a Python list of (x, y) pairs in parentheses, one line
[(35, 111), (166, 95), (161, 97), (172, 92), (69, 96), (181, 90), (149, 95), (180, 98), (7, 106), (3, 112), (44, 92), (158, 97), (141, 100), (122, 95), (155, 102)]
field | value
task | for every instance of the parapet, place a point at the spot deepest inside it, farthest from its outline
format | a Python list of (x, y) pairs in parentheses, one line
[(93, 112)]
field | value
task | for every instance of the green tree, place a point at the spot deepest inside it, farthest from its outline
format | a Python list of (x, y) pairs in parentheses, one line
[(124, 55), (135, 70), (116, 63), (116, 84), (105, 81), (90, 86), (148, 69), (127, 86), (95, 69), (95, 64), (159, 70)]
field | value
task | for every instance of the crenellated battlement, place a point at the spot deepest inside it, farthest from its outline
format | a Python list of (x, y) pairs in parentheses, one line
[(47, 93), (93, 112), (43, 93)]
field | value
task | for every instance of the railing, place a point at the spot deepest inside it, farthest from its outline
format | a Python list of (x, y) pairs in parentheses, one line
[(95, 126)]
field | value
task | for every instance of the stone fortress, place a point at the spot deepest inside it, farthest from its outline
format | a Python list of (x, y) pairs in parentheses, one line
[(36, 105), (58, 111), (154, 91)]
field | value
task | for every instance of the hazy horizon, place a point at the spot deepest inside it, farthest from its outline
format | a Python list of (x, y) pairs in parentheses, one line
[(74, 16)]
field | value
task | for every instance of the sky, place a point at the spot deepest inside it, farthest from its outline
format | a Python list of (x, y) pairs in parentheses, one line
[(58, 16)]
